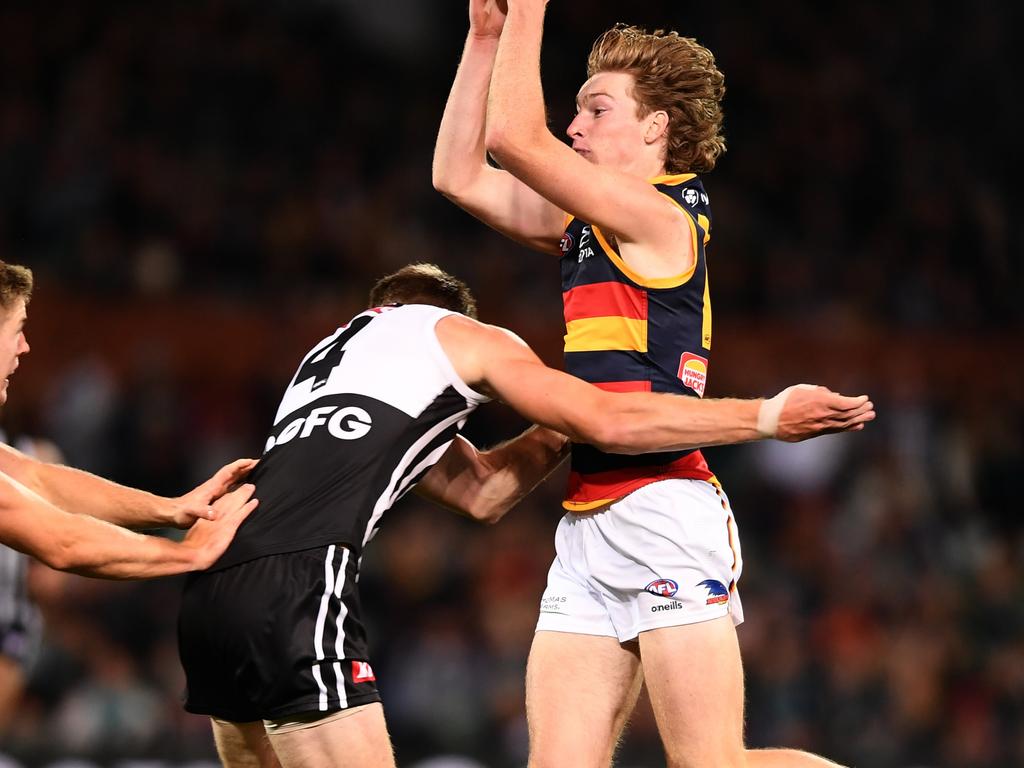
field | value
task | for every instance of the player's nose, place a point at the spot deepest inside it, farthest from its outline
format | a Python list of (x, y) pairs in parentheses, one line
[(575, 129)]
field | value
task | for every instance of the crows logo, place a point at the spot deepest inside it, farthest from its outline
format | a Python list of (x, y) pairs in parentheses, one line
[(717, 593)]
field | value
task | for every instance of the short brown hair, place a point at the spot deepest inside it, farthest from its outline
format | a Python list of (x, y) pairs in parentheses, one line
[(15, 283), (675, 74), (423, 284)]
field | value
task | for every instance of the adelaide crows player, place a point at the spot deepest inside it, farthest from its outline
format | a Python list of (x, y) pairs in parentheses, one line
[(271, 637), (647, 573)]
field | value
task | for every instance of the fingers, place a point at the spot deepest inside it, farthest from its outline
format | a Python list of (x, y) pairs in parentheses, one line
[(247, 509), (846, 403), (231, 473), (236, 499), (853, 420)]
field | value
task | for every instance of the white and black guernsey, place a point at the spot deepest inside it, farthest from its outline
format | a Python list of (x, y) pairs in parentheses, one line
[(20, 622), (370, 410)]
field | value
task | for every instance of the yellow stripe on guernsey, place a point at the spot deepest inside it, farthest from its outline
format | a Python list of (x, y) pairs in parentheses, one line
[(597, 334), (705, 331), (650, 282), (672, 179), (706, 226)]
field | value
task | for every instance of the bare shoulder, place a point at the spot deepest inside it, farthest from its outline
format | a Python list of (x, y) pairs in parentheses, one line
[(459, 329), (475, 348)]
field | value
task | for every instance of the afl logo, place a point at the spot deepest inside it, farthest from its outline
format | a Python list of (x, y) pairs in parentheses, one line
[(565, 244), (662, 587)]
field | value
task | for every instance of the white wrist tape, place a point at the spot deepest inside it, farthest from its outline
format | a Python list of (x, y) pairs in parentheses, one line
[(771, 409)]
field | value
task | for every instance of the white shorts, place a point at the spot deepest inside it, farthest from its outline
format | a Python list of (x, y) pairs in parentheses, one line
[(666, 554)]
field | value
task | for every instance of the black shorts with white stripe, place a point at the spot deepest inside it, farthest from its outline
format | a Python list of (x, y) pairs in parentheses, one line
[(276, 636)]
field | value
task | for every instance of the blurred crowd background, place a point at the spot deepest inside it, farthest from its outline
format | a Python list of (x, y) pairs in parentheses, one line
[(204, 189)]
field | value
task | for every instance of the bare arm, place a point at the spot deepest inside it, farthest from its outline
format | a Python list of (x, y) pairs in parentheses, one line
[(82, 544), (622, 203), (70, 488), (495, 361), (461, 172), (485, 485)]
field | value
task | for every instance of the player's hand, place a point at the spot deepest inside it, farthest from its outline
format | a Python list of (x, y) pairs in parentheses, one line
[(487, 17), (211, 537), (198, 504), (806, 411)]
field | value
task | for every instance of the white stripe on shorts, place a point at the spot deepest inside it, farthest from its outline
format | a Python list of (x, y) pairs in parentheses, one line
[(339, 642), (321, 619)]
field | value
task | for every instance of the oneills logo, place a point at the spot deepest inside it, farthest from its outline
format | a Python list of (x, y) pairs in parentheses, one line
[(693, 370)]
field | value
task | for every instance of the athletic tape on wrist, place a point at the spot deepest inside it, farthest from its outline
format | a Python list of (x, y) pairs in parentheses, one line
[(771, 409)]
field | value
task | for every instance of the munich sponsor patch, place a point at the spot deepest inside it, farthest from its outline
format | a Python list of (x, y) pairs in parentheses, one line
[(362, 672), (662, 587), (717, 593), (693, 371)]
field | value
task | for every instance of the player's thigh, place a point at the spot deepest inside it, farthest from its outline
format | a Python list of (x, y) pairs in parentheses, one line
[(695, 680), (580, 690), (356, 738), (243, 745)]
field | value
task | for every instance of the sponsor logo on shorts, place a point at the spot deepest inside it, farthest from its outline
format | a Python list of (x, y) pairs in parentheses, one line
[(362, 672), (717, 593), (662, 587), (675, 605), (693, 370)]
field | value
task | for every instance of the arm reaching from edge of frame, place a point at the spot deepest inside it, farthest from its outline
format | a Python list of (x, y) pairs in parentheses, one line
[(86, 545), (88, 494)]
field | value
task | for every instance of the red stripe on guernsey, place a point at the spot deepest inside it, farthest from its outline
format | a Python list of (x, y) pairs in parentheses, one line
[(623, 386), (611, 299), (616, 483)]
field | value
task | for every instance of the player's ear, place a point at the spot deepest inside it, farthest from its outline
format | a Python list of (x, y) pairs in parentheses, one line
[(657, 126)]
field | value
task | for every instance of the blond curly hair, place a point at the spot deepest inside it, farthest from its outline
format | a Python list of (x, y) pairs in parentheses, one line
[(676, 75)]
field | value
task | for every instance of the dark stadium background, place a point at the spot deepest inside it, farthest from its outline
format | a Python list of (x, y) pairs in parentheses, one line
[(203, 189)]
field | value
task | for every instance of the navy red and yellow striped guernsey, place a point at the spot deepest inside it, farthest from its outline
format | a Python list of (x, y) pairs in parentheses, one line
[(625, 333)]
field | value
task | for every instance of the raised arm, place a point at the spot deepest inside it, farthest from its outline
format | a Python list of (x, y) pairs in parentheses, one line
[(612, 188), (497, 362), (485, 485), (461, 171), (83, 544), (87, 494)]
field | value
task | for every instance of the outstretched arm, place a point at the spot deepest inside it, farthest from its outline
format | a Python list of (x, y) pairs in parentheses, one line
[(82, 544), (485, 485), (87, 494), (461, 172), (499, 363)]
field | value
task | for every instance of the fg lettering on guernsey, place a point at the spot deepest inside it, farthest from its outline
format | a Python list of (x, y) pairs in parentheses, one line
[(349, 423)]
